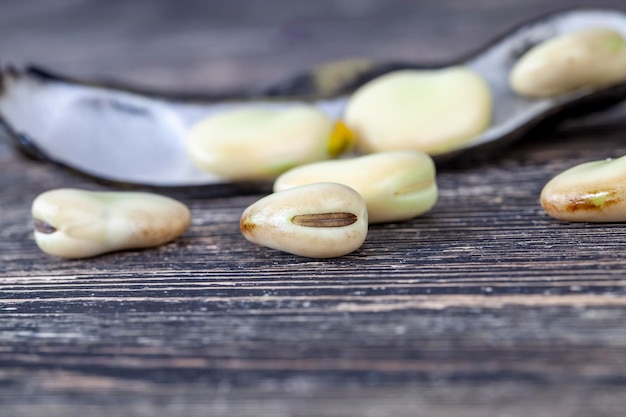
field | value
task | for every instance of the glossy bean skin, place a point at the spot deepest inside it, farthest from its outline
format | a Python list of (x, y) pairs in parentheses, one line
[(588, 58), (433, 111), (396, 185), (321, 220), (73, 223), (258, 143), (589, 192)]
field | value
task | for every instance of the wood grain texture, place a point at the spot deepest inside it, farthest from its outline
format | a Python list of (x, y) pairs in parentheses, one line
[(194, 44), (483, 307)]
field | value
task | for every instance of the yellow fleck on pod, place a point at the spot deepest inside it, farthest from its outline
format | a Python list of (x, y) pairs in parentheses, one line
[(258, 143)]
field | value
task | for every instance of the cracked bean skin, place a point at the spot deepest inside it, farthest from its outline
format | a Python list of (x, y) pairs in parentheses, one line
[(593, 57), (321, 220), (433, 111), (261, 143), (73, 223), (396, 185), (590, 192)]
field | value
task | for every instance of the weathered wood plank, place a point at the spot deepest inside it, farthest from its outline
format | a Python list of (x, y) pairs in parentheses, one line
[(485, 306), (197, 44), (485, 290)]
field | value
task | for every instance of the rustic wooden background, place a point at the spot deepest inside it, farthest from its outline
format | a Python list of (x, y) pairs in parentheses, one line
[(483, 307)]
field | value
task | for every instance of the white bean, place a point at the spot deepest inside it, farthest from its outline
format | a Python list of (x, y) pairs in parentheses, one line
[(396, 185), (589, 192), (431, 111), (258, 143), (322, 220), (72, 223), (593, 57)]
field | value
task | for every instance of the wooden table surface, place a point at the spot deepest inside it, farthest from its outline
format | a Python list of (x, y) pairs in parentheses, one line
[(483, 307)]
